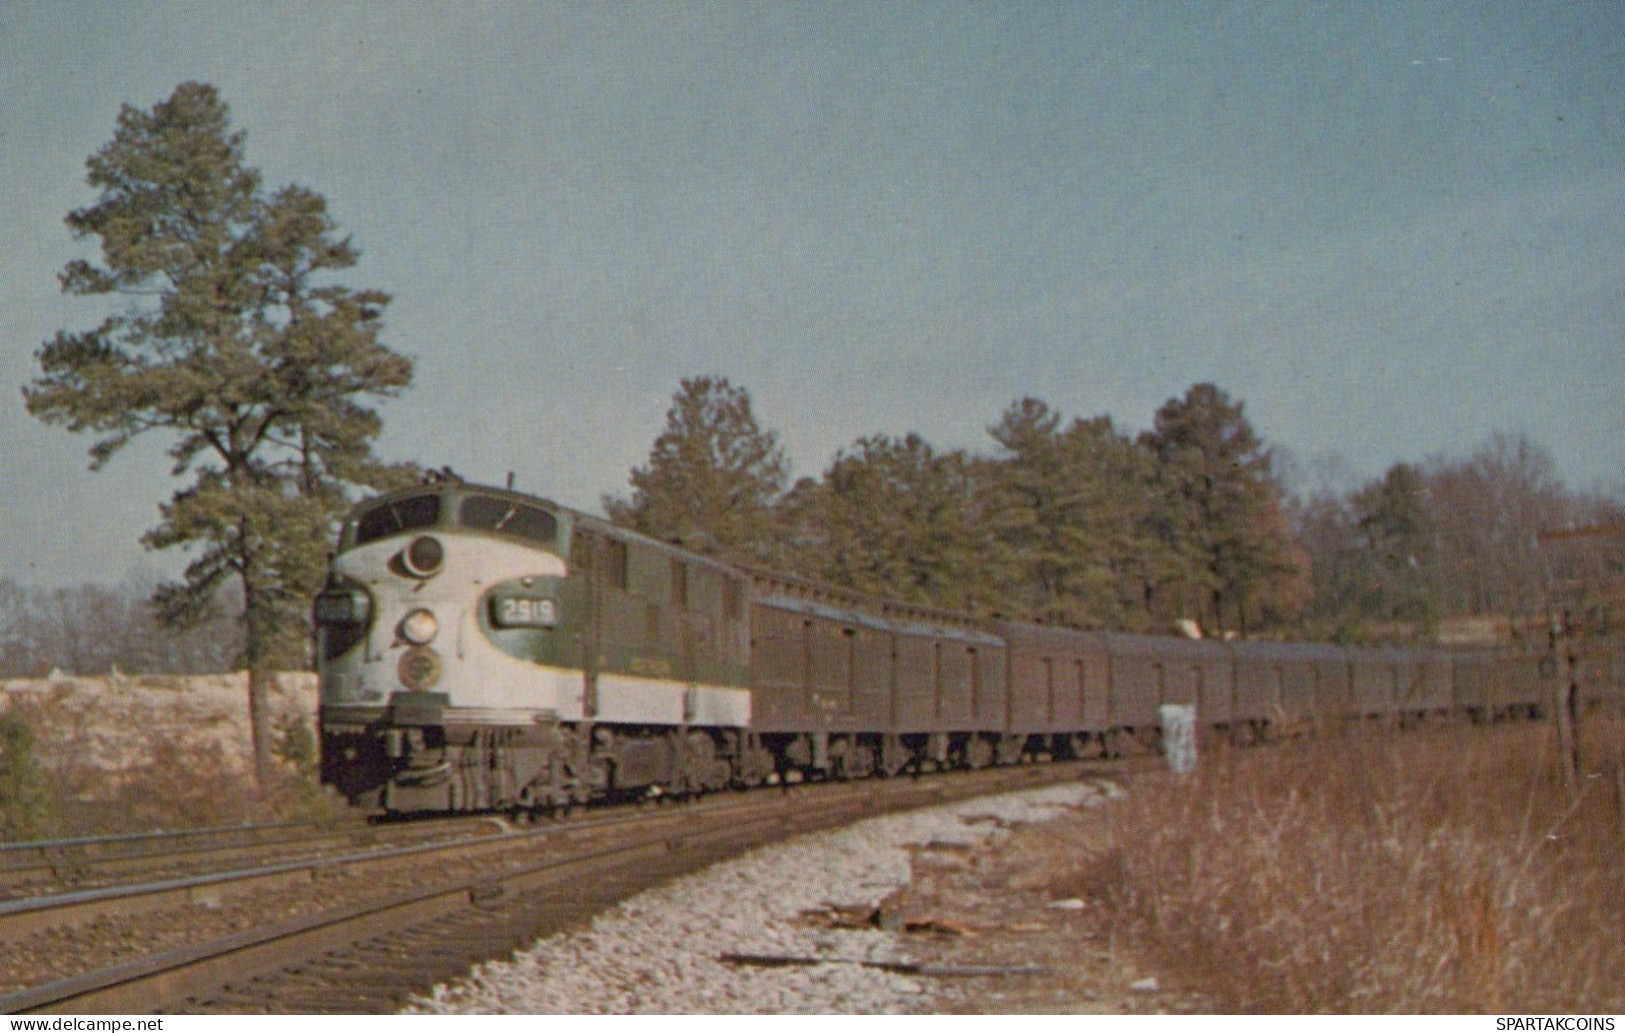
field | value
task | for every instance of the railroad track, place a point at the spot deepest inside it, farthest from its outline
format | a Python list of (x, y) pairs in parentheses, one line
[(37, 868), (362, 932)]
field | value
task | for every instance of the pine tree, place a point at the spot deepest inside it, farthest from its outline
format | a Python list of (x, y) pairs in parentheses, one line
[(712, 478), (893, 517), (1397, 534), (1073, 519), (234, 341), (1222, 511)]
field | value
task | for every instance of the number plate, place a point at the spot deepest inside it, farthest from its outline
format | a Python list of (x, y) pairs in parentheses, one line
[(523, 612)]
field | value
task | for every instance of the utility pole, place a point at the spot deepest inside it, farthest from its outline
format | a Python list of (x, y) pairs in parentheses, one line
[(1584, 572)]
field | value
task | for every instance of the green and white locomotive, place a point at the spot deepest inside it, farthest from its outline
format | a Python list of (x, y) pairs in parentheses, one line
[(479, 648)]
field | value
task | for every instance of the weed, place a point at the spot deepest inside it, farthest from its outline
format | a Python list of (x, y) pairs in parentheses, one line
[(1442, 871), (28, 809), (293, 742)]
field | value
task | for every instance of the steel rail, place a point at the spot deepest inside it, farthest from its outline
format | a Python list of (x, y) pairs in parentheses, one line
[(88, 856), (160, 835), (69, 871), (29, 856)]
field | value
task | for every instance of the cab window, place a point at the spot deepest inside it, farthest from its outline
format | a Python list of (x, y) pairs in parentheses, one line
[(407, 514), (489, 513)]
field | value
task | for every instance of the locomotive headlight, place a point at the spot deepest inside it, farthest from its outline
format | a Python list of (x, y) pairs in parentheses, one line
[(419, 627), (424, 556)]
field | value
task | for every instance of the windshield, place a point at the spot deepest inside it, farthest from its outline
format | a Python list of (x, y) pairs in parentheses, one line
[(489, 513), (407, 514)]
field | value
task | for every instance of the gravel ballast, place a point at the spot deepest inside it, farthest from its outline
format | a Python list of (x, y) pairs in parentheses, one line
[(660, 952)]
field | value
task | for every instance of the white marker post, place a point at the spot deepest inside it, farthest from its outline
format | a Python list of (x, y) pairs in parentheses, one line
[(1179, 736)]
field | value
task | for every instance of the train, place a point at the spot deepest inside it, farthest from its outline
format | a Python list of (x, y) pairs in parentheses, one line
[(482, 649)]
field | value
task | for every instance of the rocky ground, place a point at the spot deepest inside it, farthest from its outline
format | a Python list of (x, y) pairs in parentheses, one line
[(1020, 901), (949, 910)]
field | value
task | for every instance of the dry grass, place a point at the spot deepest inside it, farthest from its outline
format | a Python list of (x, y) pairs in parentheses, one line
[(1438, 871)]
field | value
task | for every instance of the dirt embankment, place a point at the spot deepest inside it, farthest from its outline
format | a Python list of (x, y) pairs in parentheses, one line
[(120, 753), (110, 722)]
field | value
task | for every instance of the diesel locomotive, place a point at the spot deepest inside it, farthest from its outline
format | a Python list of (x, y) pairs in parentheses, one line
[(481, 649)]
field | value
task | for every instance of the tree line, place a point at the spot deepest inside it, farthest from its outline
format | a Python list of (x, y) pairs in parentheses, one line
[(94, 629), (1445, 537), (1078, 524)]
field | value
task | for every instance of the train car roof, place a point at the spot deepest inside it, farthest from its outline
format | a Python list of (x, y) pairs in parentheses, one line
[(1050, 635), (771, 584), (860, 618), (1135, 645), (1300, 652)]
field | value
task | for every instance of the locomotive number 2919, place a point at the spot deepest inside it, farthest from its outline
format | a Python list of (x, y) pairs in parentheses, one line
[(523, 612)]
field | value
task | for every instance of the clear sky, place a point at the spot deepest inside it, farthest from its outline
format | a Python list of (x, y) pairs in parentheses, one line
[(1390, 229)]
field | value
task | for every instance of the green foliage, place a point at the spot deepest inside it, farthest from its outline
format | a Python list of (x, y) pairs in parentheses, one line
[(1398, 544), (1072, 520), (712, 479), (894, 518), (236, 343), (27, 807), (1076, 524), (294, 743), (1222, 514)]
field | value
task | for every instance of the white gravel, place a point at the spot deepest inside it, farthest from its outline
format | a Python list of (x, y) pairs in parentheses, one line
[(657, 952)]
